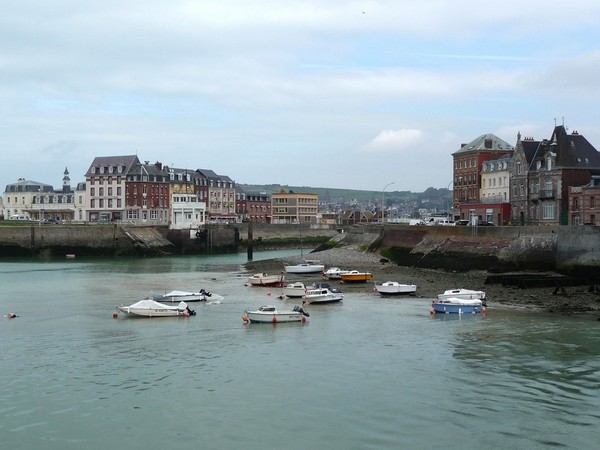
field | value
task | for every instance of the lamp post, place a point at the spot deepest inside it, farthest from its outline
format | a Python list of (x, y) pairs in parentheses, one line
[(40, 206), (451, 204), (383, 202)]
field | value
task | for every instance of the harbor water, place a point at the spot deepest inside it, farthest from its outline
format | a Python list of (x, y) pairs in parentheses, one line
[(368, 373)]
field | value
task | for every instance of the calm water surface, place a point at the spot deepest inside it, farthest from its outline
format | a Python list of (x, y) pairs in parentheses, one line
[(370, 373)]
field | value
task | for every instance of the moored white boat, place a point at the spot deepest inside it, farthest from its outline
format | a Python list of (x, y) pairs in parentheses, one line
[(270, 314), (307, 266), (466, 294), (354, 276), (294, 290), (334, 273), (453, 305), (151, 308), (183, 296), (263, 279), (323, 295), (299, 289), (395, 288)]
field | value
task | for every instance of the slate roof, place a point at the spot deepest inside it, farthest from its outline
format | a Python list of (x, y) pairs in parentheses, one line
[(573, 150), (485, 143), (125, 161)]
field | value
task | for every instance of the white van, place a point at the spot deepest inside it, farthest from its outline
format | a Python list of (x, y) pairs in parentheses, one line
[(19, 217), (440, 221)]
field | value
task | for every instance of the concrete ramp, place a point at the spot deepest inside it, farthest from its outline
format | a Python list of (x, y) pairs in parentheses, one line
[(146, 237)]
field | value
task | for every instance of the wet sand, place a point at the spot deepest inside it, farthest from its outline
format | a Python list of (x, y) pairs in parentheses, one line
[(576, 299)]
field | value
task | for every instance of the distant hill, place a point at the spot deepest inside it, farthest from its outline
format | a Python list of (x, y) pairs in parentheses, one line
[(431, 198)]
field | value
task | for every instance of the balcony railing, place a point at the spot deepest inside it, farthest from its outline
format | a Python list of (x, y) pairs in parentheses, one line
[(547, 193)]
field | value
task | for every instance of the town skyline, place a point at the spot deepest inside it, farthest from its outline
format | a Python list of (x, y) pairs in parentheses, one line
[(351, 95)]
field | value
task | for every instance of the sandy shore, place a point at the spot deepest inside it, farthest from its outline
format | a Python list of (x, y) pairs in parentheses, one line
[(432, 282)]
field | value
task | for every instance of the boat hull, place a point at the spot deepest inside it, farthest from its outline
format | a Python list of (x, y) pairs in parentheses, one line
[(396, 289), (305, 268), (356, 277), (150, 308), (441, 308), (187, 297), (321, 296), (294, 290), (266, 280), (322, 299), (254, 317)]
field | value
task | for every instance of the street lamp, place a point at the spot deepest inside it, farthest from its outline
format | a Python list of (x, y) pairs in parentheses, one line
[(40, 206), (451, 203), (383, 202)]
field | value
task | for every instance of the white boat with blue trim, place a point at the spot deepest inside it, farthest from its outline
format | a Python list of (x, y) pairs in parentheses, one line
[(454, 305), (323, 295)]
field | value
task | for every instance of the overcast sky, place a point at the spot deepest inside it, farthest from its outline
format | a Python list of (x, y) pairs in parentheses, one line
[(340, 94)]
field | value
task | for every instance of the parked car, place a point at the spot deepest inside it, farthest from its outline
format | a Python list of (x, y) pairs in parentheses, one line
[(483, 223), (462, 222)]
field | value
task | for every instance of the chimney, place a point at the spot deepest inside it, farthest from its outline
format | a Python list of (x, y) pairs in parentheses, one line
[(488, 143)]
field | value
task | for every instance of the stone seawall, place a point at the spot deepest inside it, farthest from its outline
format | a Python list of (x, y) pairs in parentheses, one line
[(572, 250), (566, 249)]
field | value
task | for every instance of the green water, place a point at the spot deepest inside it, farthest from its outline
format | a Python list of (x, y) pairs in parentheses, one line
[(370, 373)]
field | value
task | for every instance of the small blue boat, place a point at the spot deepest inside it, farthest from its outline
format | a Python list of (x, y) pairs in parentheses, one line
[(454, 305)]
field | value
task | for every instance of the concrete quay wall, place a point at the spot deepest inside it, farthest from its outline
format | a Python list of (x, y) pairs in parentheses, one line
[(568, 249)]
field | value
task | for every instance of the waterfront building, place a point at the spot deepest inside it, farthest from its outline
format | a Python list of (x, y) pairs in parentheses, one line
[(467, 179), (218, 191), (293, 207), (253, 206), (105, 183), (32, 200), (584, 203), (186, 210), (544, 170), (147, 194)]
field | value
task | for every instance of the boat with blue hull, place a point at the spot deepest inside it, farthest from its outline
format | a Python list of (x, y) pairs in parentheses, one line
[(454, 305)]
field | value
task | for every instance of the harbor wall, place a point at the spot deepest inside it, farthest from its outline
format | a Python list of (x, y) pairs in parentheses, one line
[(567, 249)]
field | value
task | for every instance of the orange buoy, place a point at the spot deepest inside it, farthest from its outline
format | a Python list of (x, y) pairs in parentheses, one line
[(432, 311), (245, 319)]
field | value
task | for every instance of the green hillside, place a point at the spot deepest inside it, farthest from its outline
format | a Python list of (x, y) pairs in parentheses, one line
[(439, 198)]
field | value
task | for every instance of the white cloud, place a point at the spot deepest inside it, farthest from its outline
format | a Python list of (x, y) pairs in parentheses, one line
[(394, 141)]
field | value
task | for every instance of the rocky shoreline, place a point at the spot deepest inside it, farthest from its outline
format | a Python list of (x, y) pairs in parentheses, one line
[(430, 282)]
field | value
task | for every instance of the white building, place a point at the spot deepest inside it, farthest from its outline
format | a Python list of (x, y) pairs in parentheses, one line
[(495, 180)]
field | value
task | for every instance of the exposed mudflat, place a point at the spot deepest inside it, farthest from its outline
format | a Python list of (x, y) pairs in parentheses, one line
[(577, 299)]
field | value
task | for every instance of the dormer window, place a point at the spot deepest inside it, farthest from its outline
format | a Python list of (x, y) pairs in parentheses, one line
[(119, 169), (93, 170), (102, 169), (110, 169), (549, 163)]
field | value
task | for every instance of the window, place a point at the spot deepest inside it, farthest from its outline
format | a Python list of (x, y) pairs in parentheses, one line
[(549, 211), (548, 186), (133, 214), (519, 168), (592, 202)]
